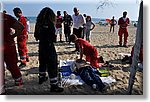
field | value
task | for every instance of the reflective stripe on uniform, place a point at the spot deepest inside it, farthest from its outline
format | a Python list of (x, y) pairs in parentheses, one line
[(22, 57), (53, 79), (54, 83)]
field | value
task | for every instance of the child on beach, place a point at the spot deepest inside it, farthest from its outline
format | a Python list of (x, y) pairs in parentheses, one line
[(85, 48), (45, 33), (88, 74), (87, 29)]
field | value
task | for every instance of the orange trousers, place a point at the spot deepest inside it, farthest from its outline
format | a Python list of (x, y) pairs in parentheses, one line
[(22, 47)]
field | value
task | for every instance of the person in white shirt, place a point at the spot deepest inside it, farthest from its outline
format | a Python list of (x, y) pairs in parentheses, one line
[(78, 22), (28, 25)]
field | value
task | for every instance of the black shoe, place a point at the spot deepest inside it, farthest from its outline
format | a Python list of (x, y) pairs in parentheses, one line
[(56, 88), (125, 45), (27, 59), (104, 87), (101, 60), (61, 41), (125, 59), (120, 45), (22, 65), (42, 79)]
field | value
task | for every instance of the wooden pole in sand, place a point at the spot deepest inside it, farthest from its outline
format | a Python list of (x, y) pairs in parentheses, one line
[(137, 46)]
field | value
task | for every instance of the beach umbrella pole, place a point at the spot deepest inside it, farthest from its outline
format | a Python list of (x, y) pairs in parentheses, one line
[(137, 46)]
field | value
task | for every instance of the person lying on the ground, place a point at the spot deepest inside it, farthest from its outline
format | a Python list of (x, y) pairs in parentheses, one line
[(85, 48), (88, 74)]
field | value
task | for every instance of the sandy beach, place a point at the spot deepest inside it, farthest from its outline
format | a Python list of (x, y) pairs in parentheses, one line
[(107, 46)]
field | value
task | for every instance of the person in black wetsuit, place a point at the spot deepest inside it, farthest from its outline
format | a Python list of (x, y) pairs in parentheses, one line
[(45, 33)]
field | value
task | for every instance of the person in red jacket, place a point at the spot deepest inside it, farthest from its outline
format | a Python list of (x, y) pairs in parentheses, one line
[(123, 22), (85, 48), (9, 48), (59, 21), (22, 38)]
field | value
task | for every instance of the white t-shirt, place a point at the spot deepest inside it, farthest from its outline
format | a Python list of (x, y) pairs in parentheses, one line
[(124, 19), (78, 21), (28, 26)]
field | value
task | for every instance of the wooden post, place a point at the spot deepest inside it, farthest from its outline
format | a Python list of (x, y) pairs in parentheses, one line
[(137, 46)]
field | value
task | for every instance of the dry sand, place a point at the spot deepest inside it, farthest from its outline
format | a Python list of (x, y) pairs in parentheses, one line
[(107, 46)]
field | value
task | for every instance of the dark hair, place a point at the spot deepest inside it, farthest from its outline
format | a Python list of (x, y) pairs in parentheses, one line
[(4, 11), (46, 15), (125, 12), (72, 37), (75, 9), (87, 18), (58, 13), (65, 11), (17, 10), (84, 15)]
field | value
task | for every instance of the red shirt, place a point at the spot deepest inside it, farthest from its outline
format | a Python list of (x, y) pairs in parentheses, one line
[(88, 49), (123, 21), (23, 20), (8, 23), (59, 22)]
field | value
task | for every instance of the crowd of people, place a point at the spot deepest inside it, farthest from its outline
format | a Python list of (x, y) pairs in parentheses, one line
[(48, 27)]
